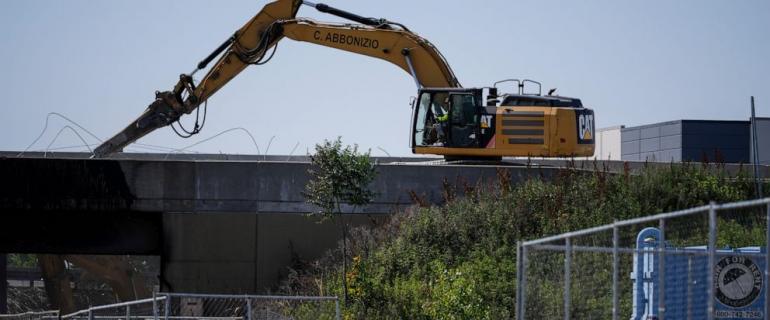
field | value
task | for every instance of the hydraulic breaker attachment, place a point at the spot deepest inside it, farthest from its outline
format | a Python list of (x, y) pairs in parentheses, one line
[(158, 114), (165, 110)]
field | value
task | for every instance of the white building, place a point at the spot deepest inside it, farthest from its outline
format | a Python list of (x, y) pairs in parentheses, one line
[(607, 143)]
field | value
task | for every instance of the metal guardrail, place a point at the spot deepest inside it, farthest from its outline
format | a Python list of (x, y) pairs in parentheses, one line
[(32, 315), (127, 305), (192, 306)]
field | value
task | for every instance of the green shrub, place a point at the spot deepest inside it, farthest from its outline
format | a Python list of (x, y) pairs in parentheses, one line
[(457, 261)]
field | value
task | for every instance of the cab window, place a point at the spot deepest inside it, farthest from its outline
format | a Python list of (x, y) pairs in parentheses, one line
[(463, 109), (423, 119)]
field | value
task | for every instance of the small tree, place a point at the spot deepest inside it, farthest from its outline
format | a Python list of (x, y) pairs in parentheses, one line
[(339, 176)]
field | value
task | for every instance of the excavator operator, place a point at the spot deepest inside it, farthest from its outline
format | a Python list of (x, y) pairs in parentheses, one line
[(437, 122)]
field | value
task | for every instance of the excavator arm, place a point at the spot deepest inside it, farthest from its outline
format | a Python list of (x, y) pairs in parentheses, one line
[(252, 44)]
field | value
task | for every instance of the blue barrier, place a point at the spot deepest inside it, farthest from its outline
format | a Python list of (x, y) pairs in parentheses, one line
[(738, 281)]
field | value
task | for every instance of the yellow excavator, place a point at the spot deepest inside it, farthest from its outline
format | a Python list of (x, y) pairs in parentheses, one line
[(447, 119)]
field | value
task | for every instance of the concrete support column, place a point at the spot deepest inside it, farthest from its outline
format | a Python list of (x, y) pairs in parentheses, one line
[(3, 284)]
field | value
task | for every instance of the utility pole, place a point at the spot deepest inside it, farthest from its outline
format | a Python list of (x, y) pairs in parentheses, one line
[(755, 150)]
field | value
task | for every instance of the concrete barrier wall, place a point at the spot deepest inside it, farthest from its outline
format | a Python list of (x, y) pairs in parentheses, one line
[(83, 185), (244, 253), (276, 187)]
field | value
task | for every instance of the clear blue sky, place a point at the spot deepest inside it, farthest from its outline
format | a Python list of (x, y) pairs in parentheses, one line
[(100, 62)]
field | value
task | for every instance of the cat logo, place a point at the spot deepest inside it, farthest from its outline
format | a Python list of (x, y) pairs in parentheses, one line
[(585, 126), (486, 121), (738, 281)]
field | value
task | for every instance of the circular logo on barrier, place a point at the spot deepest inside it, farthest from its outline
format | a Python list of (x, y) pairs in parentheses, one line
[(738, 281)]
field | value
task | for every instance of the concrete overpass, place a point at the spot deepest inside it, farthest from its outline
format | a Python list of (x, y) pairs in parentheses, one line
[(220, 223)]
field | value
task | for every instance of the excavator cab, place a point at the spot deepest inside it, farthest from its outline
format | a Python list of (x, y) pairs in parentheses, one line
[(449, 118), (459, 124)]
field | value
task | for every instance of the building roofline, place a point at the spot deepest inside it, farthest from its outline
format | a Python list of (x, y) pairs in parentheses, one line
[(657, 124), (611, 128)]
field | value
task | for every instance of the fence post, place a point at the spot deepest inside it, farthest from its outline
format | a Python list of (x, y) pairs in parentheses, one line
[(767, 261), (167, 308), (615, 271), (689, 288), (154, 305), (128, 312), (337, 308), (523, 283), (567, 274), (90, 314), (712, 258), (248, 308), (662, 270), (518, 279)]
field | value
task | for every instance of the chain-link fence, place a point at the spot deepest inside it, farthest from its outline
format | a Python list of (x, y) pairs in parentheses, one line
[(700, 263), (32, 315), (176, 306), (247, 307)]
